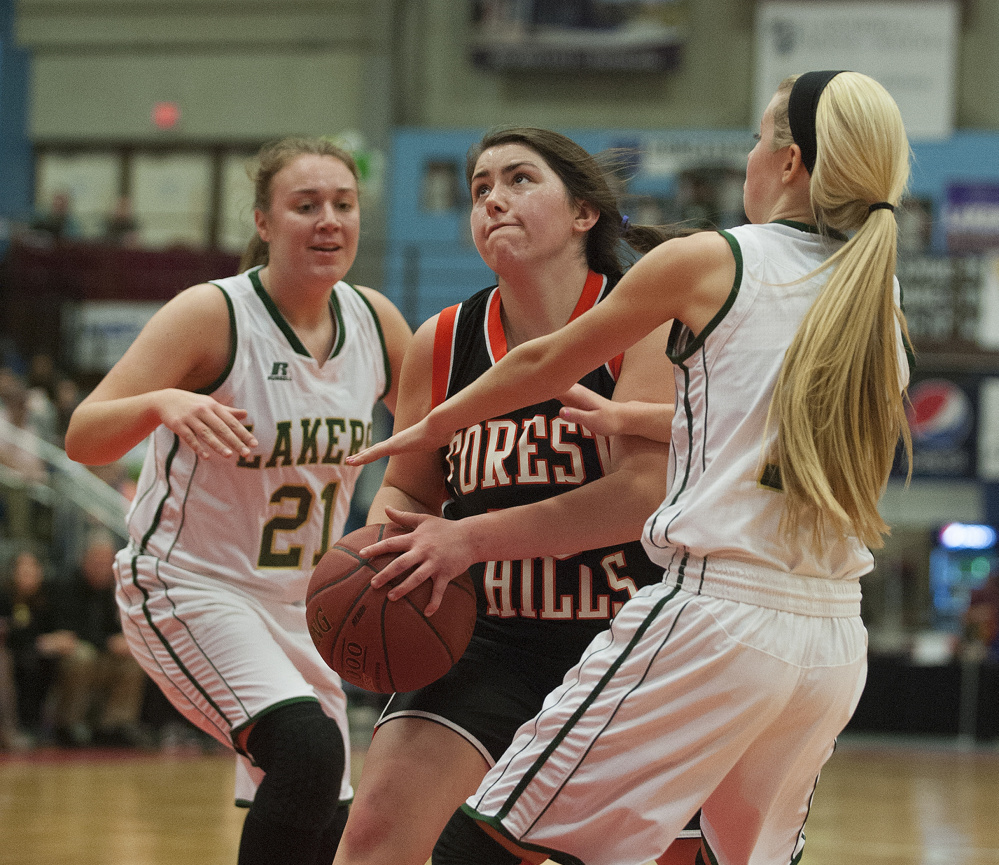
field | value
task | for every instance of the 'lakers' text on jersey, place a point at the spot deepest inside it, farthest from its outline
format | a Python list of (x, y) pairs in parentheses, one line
[(312, 441), (523, 457)]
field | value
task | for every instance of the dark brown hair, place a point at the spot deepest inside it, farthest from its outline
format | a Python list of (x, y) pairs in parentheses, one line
[(585, 179)]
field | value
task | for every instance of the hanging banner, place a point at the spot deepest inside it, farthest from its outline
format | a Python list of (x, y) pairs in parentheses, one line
[(971, 217), (910, 47), (599, 35)]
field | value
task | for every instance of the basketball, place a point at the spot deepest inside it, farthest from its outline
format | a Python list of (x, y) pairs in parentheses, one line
[(378, 644)]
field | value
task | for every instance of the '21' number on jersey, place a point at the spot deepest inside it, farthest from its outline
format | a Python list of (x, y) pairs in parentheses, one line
[(271, 558)]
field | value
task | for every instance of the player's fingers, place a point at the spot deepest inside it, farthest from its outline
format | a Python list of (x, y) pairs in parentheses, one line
[(397, 544), (580, 397), (189, 435), (242, 438), (436, 596), (406, 519), (369, 455), (216, 437), (229, 431), (409, 439), (592, 420), (392, 570), (418, 576), (574, 415)]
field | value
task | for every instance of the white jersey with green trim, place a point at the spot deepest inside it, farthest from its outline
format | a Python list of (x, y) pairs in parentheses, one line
[(724, 505), (262, 522)]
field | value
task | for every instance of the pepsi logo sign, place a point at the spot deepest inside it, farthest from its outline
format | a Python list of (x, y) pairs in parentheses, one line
[(940, 414)]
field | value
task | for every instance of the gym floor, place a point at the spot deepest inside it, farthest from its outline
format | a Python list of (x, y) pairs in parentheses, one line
[(880, 802)]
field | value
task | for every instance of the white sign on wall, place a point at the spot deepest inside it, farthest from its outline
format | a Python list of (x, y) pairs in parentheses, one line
[(100, 331), (910, 47), (988, 430)]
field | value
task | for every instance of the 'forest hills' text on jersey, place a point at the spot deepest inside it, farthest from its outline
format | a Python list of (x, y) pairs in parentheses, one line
[(205, 515), (523, 457)]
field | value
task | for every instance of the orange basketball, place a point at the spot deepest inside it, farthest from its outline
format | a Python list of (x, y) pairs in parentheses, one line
[(378, 644)]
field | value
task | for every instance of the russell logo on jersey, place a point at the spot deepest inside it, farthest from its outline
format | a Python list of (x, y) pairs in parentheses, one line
[(279, 371)]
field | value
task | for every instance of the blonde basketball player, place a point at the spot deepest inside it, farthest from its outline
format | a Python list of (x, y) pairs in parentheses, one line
[(725, 686), (255, 389)]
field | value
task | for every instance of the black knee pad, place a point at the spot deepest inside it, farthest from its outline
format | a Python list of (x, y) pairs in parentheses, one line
[(302, 752), (465, 842)]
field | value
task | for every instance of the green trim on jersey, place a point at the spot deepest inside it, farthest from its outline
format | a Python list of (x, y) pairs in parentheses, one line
[(166, 645), (636, 638), (381, 336), (266, 711), (910, 351), (688, 413), (275, 314), (801, 226), (167, 465), (341, 334), (554, 855), (713, 858), (695, 344), (835, 234), (159, 508), (233, 339)]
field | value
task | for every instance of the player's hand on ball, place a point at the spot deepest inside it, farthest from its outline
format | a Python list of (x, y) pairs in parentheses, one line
[(204, 424), (435, 549), (375, 643)]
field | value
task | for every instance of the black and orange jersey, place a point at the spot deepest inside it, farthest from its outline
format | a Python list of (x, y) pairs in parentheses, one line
[(553, 605)]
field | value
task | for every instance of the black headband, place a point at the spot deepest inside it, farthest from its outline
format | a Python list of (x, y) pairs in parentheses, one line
[(801, 107)]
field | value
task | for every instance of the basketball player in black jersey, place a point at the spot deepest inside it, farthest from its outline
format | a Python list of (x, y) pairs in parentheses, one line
[(547, 223)]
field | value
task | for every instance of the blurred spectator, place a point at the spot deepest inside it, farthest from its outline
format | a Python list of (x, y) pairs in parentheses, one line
[(66, 398), (101, 686), (20, 455), (41, 385), (12, 738), (981, 619), (33, 642), (58, 221), (121, 228)]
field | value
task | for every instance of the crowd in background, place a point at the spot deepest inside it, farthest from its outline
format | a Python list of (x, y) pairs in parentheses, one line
[(67, 677), (58, 221)]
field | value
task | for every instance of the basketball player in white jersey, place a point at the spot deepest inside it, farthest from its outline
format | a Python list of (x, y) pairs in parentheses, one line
[(724, 687), (254, 389)]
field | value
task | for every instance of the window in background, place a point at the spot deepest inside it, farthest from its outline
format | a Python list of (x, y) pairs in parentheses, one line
[(171, 196), (89, 179), (236, 223)]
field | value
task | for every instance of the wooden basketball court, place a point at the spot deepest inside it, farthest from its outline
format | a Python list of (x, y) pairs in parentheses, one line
[(880, 802)]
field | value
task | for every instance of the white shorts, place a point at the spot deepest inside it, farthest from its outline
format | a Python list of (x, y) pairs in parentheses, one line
[(223, 657), (687, 701)]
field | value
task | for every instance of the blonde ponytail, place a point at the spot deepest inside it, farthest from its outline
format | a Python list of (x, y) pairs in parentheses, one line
[(837, 403)]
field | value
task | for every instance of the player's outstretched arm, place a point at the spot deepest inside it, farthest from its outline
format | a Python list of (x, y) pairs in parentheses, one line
[(183, 347), (686, 278), (608, 510)]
